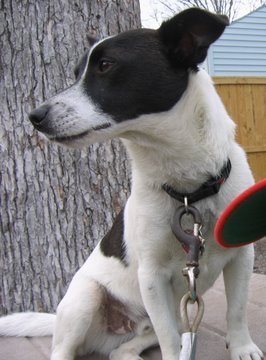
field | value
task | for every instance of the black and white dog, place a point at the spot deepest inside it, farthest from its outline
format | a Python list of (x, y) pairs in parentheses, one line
[(145, 87)]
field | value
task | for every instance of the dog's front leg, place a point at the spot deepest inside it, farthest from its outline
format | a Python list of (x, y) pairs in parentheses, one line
[(159, 302), (236, 278), (74, 317)]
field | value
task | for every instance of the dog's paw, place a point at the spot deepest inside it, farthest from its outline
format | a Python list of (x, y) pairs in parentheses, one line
[(119, 354), (246, 352)]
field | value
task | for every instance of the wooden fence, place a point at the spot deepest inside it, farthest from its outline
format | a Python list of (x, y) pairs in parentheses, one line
[(245, 101)]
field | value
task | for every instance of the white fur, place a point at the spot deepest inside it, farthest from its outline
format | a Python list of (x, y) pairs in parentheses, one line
[(24, 324), (73, 120), (181, 147)]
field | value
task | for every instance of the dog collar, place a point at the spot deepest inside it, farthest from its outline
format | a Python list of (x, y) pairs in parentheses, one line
[(209, 188)]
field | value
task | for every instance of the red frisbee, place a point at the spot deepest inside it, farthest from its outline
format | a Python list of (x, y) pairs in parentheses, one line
[(244, 219)]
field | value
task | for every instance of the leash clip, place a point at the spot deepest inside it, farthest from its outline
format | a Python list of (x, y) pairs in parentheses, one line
[(191, 240), (191, 273)]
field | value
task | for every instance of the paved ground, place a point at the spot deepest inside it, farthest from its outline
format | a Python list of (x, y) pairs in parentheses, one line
[(211, 343), (260, 256)]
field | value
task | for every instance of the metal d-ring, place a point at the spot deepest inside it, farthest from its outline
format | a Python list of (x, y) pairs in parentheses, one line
[(186, 204), (184, 313)]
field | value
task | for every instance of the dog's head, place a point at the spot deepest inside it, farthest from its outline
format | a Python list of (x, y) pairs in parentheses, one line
[(122, 77)]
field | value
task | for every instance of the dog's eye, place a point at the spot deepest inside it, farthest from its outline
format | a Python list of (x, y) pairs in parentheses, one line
[(105, 65)]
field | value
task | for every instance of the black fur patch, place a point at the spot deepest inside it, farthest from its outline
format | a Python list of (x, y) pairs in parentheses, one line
[(146, 71), (112, 244), (129, 75)]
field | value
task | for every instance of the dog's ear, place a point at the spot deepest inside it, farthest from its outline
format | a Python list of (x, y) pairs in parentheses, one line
[(188, 35)]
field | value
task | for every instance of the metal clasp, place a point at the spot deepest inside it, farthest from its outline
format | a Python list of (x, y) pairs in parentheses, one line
[(193, 240), (191, 273)]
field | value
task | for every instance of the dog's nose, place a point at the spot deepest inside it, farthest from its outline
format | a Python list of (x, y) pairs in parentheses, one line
[(39, 114)]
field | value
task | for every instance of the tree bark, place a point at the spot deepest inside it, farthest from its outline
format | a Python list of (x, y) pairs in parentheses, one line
[(55, 203)]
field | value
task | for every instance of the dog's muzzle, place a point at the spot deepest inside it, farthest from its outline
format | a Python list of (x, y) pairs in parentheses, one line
[(62, 124)]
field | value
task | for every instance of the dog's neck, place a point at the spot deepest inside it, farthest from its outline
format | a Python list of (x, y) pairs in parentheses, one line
[(186, 145)]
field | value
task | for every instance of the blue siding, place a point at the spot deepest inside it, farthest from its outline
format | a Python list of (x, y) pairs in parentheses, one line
[(241, 50)]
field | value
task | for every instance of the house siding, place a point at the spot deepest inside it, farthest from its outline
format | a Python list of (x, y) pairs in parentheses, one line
[(241, 50)]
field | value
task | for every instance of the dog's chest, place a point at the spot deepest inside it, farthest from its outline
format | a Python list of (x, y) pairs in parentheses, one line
[(172, 257)]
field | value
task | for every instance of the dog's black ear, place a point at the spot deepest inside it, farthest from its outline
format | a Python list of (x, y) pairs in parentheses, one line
[(188, 35)]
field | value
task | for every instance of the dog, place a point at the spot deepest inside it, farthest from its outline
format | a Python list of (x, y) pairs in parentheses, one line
[(145, 87)]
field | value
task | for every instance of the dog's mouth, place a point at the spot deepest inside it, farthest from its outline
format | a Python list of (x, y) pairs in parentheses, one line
[(72, 138)]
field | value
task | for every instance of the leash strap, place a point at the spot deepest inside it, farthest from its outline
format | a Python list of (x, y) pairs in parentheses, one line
[(209, 188)]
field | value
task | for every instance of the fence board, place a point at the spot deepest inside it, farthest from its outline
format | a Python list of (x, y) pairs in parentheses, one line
[(245, 100)]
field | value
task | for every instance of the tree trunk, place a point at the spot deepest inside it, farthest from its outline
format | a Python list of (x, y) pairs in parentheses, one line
[(55, 203)]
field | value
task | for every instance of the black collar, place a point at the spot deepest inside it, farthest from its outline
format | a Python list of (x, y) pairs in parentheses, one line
[(209, 188)]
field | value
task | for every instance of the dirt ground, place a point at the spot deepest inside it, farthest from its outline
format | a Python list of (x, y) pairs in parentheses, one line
[(260, 257)]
